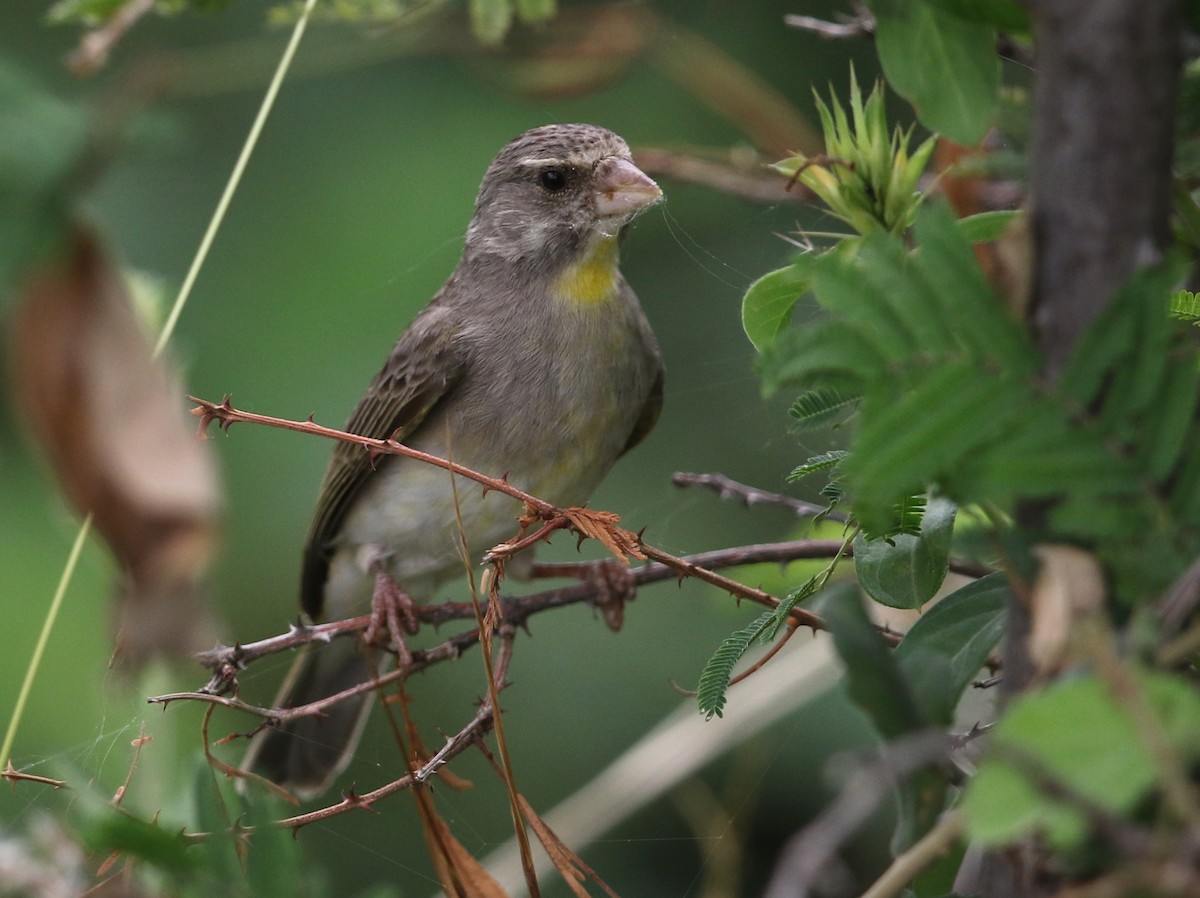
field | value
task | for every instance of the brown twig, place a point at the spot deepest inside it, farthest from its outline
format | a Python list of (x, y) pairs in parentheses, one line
[(474, 731), (745, 176), (141, 740), (227, 661), (597, 525), (727, 488), (15, 776), (861, 25), (94, 47)]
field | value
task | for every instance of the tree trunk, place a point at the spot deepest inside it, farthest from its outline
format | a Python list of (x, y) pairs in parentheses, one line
[(1100, 182)]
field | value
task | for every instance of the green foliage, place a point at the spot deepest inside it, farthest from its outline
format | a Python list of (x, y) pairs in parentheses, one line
[(986, 226), (42, 153), (907, 570), (873, 676), (714, 679), (867, 178), (824, 462), (946, 648), (1007, 15), (949, 397), (942, 63), (1076, 734), (875, 683), (1185, 306), (492, 19), (820, 407), (91, 13), (106, 829), (767, 306), (389, 12)]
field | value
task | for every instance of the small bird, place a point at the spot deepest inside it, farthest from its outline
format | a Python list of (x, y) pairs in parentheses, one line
[(534, 360)]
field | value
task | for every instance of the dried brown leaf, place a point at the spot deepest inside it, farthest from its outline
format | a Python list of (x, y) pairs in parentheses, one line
[(568, 864), (109, 418), (603, 526), (1069, 586), (458, 872)]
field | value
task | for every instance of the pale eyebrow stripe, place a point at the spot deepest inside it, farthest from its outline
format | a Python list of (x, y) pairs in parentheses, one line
[(573, 160)]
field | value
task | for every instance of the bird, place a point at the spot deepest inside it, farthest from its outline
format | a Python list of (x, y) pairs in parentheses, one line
[(534, 361)]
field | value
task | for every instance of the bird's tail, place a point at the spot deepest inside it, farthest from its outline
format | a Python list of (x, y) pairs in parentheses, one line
[(305, 755)]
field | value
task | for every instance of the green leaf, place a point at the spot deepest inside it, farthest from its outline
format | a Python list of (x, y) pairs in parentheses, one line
[(1007, 15), (822, 462), (876, 685), (907, 571), (490, 20), (1185, 305), (873, 678), (944, 651), (779, 615), (767, 305), (818, 407), (986, 226), (532, 12), (106, 829), (274, 861), (714, 679), (44, 143), (1076, 733), (945, 66)]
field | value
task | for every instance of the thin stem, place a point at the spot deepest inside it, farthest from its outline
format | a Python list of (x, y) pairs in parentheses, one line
[(39, 650), (235, 178), (931, 847), (164, 337)]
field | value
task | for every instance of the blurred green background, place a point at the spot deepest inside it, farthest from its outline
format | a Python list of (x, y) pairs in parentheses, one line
[(349, 218)]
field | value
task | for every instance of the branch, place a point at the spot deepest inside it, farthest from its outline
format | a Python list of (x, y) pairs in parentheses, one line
[(862, 24), (727, 488), (601, 526), (743, 175), (934, 845), (93, 49), (479, 726), (227, 662)]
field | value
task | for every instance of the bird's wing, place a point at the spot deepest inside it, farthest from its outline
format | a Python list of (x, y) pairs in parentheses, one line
[(648, 417), (424, 366)]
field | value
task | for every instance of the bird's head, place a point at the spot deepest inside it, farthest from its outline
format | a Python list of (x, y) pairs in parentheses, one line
[(556, 192)]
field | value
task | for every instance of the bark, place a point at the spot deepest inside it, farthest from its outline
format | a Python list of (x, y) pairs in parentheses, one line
[(1100, 176)]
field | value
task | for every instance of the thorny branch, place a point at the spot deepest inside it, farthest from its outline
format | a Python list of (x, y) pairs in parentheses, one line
[(727, 488), (473, 732), (227, 661), (542, 519)]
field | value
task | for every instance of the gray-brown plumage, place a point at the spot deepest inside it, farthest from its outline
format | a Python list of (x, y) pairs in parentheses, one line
[(534, 359)]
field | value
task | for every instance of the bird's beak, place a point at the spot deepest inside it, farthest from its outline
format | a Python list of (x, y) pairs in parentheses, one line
[(622, 189)]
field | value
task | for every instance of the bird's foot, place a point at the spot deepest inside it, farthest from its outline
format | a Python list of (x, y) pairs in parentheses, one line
[(613, 582), (393, 614)]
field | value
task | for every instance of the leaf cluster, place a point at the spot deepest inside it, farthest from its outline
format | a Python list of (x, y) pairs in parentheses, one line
[(867, 178), (951, 399)]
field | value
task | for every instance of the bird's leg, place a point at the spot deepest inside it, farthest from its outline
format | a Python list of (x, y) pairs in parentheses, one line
[(612, 581), (393, 611)]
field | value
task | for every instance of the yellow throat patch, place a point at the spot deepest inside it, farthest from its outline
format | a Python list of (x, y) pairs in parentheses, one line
[(593, 279)]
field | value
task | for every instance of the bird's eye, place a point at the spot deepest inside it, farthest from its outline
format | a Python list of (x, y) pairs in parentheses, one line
[(552, 179)]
